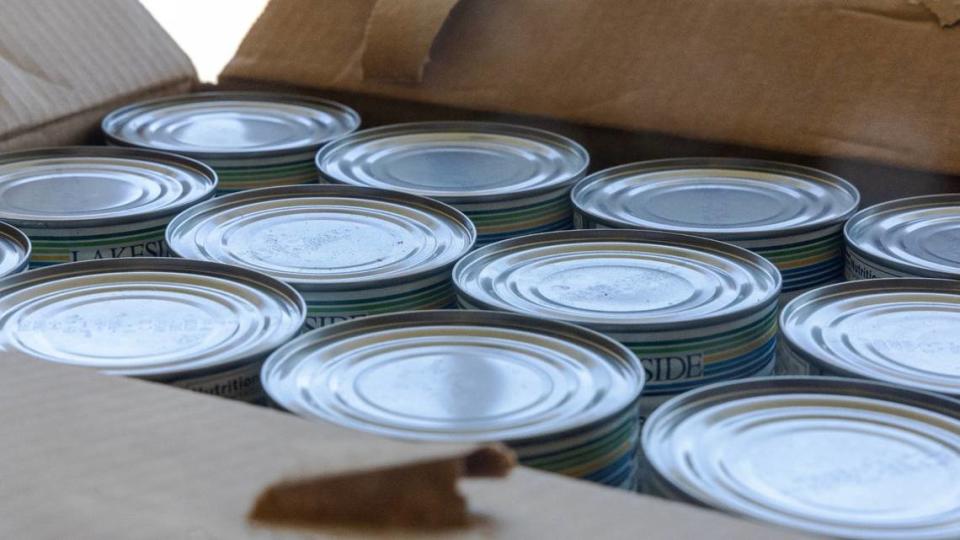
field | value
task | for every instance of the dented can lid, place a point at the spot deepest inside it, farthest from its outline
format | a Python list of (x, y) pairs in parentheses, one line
[(147, 317), (916, 236), (453, 375), (324, 236), (15, 250), (618, 278), (455, 162), (87, 186), (901, 331), (830, 456), (230, 124), (722, 198)]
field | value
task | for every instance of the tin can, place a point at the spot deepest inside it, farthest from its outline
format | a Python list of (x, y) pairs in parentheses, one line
[(563, 397), (252, 139), (90, 202), (350, 251), (791, 215), (202, 326), (829, 456), (15, 250), (914, 237), (509, 180), (694, 310), (901, 331)]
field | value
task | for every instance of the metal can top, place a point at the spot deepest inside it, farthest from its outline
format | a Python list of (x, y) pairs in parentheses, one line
[(619, 279), (455, 376), (455, 161), (902, 331), (86, 186), (722, 198), (831, 456), (14, 249), (323, 236), (147, 317), (917, 236), (230, 124)]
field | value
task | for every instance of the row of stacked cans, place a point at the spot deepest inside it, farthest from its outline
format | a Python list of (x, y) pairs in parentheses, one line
[(605, 324), (866, 444)]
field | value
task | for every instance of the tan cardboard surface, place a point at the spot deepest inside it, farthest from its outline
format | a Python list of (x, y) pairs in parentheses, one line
[(91, 456), (868, 79), (64, 64)]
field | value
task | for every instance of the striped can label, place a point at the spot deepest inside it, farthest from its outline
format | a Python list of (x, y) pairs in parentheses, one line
[(112, 242), (242, 174), (330, 307), (521, 216)]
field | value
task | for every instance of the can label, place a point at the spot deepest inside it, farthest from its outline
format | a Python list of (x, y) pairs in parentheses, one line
[(857, 268), (677, 361), (133, 240), (520, 216), (241, 384), (327, 308)]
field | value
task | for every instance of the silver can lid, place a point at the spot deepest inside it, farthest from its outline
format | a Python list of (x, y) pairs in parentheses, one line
[(454, 376), (15, 250), (831, 456), (230, 124), (325, 236), (617, 279), (455, 161), (147, 317), (917, 236), (902, 331), (726, 199), (92, 185)]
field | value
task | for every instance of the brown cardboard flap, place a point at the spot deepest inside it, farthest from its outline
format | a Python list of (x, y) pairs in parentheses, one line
[(88, 456), (399, 36), (131, 459), (863, 79), (63, 64)]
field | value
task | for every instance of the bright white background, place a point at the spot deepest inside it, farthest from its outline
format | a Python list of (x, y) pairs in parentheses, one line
[(208, 30)]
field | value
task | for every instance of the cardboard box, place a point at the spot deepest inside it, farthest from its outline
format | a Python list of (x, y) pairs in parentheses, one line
[(825, 82), (91, 456), (64, 65), (862, 88)]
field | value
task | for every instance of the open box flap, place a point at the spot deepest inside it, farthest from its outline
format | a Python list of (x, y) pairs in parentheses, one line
[(868, 79), (64, 64), (92, 456)]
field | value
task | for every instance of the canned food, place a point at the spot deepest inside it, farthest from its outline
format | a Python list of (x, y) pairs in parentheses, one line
[(509, 180), (901, 331), (829, 456), (92, 202), (563, 397), (350, 251), (251, 139), (14, 250), (694, 310), (914, 237), (202, 326), (791, 215)]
